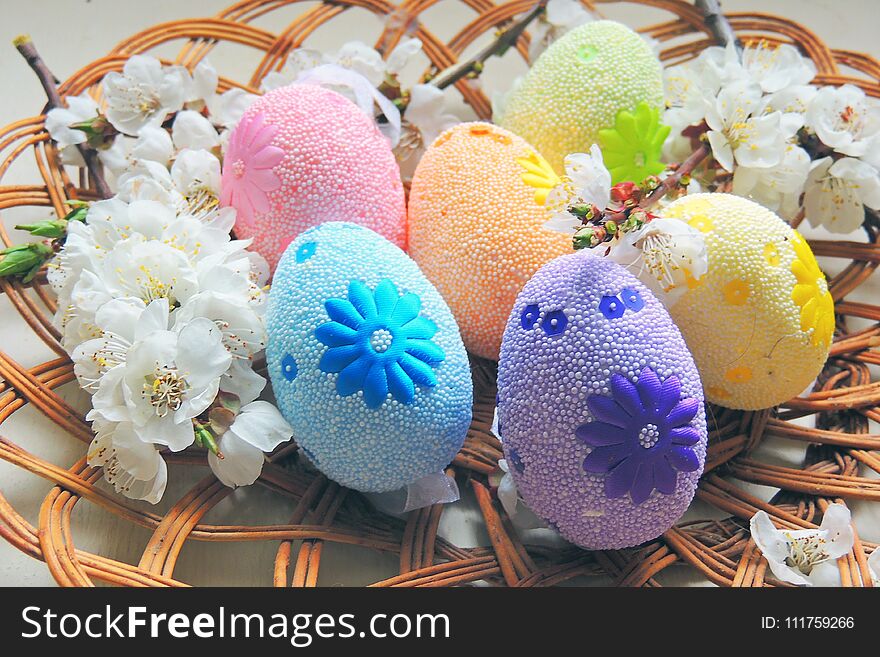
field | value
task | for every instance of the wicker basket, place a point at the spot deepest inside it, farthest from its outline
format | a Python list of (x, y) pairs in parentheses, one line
[(323, 513)]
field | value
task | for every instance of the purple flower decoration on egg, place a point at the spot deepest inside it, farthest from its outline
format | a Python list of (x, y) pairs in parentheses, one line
[(379, 343), (641, 436)]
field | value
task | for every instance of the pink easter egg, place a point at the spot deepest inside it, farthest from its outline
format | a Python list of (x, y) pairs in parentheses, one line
[(303, 155)]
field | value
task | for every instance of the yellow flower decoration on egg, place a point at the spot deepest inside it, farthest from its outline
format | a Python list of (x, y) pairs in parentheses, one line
[(701, 222), (811, 293), (538, 174), (736, 292)]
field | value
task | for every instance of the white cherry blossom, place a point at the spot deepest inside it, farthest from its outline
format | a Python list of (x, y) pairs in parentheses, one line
[(665, 253), (777, 188), (776, 67), (167, 379), (201, 85), (134, 468), (258, 428), (192, 130), (736, 136), (587, 180), (425, 118), (838, 191), (227, 108), (58, 121), (805, 557), (196, 176), (844, 118), (153, 143), (144, 93), (874, 567)]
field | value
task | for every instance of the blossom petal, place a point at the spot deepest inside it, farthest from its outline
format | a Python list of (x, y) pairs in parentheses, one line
[(683, 459), (683, 412), (399, 384), (241, 464), (421, 328), (607, 410), (686, 436), (337, 359), (343, 312), (649, 388), (261, 424), (626, 394), (165, 431), (361, 299), (334, 334), (201, 356), (620, 479), (773, 545), (643, 485), (418, 371), (386, 297), (426, 351), (665, 476), (598, 434), (375, 386), (605, 458), (351, 379), (407, 308), (138, 458), (840, 538)]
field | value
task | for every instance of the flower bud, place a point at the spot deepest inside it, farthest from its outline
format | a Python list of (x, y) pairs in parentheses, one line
[(24, 260), (52, 228)]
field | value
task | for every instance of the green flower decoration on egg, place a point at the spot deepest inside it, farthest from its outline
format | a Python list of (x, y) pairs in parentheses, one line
[(631, 149)]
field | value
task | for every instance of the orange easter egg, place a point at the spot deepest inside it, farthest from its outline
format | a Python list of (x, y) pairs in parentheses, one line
[(476, 226)]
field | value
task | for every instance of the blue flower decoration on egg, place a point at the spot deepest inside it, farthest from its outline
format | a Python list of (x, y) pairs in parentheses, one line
[(306, 251), (289, 368), (632, 299), (611, 307), (378, 343)]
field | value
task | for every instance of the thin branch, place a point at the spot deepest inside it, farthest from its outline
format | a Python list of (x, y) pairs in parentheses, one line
[(671, 181), (717, 23), (499, 46), (722, 31), (26, 47)]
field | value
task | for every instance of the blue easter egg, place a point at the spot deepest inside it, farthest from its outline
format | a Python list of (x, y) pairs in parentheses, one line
[(366, 360)]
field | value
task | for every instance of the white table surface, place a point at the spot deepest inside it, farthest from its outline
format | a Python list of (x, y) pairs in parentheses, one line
[(70, 33)]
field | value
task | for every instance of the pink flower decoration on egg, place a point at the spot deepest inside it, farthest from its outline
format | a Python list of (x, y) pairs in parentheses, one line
[(248, 174)]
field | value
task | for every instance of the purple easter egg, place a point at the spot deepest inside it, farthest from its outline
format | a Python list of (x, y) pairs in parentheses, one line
[(600, 405)]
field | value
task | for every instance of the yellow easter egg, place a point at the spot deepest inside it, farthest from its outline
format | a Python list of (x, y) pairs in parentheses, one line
[(476, 225), (598, 84), (760, 321)]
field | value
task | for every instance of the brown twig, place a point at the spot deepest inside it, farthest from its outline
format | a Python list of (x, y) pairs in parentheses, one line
[(671, 181), (499, 46), (26, 48), (717, 23)]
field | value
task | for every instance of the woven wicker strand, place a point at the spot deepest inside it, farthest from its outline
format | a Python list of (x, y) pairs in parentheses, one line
[(322, 512)]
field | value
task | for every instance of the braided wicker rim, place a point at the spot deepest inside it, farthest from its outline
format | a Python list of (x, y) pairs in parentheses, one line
[(845, 400)]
